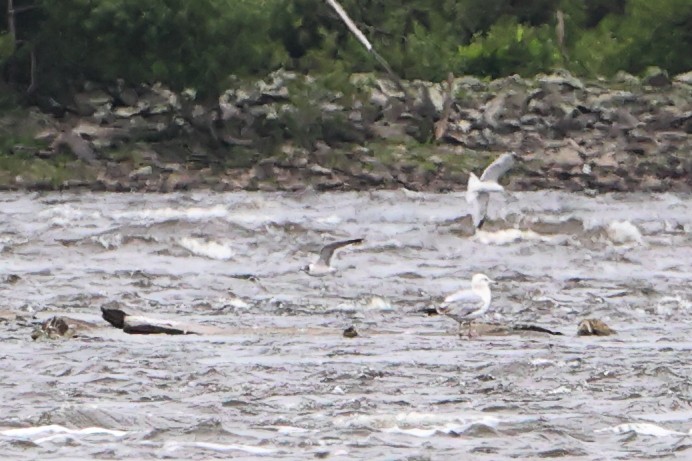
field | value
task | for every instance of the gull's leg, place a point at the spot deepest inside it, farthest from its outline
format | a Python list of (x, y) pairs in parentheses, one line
[(471, 329)]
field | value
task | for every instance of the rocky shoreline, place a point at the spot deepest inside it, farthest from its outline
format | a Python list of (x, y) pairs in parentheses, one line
[(291, 132)]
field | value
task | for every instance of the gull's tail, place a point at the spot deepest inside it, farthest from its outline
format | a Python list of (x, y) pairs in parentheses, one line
[(476, 186)]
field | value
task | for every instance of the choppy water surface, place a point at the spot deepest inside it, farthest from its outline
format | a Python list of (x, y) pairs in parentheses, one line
[(285, 384)]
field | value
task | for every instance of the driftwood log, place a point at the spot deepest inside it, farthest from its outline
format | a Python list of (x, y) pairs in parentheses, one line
[(142, 325)]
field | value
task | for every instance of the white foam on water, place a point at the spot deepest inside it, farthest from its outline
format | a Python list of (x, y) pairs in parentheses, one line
[(683, 415), (423, 433), (542, 362), (668, 305), (170, 214), (371, 304), (621, 232), (331, 219), (221, 447), (642, 429), (66, 215), (287, 430), (57, 431), (206, 248), (108, 241), (425, 425), (505, 236), (235, 302), (253, 220), (377, 303), (560, 390), (416, 420)]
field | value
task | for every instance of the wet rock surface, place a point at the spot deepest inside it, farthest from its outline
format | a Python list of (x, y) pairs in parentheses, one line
[(60, 327), (594, 327), (289, 132)]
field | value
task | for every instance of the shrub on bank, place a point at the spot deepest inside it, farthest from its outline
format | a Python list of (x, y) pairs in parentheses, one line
[(199, 44)]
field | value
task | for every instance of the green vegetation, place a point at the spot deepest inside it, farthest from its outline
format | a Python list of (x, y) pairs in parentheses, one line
[(24, 167), (18, 162), (201, 44)]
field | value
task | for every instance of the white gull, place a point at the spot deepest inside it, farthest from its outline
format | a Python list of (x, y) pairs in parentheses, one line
[(464, 306), (478, 190), (322, 266)]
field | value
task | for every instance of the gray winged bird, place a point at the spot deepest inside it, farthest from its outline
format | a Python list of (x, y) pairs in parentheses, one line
[(322, 266), (465, 306), (478, 190)]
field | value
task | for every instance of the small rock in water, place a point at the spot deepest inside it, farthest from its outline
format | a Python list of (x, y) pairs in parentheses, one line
[(12, 278), (350, 332), (59, 327), (594, 327)]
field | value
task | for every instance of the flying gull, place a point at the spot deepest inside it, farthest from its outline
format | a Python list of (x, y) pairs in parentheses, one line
[(478, 190), (322, 266), (464, 306)]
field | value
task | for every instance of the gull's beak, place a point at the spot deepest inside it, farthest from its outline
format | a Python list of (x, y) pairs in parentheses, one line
[(491, 281)]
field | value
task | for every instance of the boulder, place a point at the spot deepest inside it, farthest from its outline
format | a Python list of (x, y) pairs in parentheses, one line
[(594, 327), (656, 77), (685, 78)]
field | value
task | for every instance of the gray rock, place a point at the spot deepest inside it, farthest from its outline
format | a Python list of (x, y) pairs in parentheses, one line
[(468, 83), (75, 144), (320, 170), (624, 77), (685, 78), (264, 169), (656, 77), (567, 157), (142, 172), (128, 97), (562, 79)]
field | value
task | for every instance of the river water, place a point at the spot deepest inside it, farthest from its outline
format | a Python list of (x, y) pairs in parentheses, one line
[(284, 383)]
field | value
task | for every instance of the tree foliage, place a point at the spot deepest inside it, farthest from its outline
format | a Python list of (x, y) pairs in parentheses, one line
[(201, 43)]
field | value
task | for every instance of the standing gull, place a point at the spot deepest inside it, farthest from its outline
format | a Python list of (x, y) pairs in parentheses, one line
[(322, 266), (467, 305), (478, 190)]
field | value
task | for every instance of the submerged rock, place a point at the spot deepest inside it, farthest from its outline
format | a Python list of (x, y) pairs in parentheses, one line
[(59, 327), (350, 332), (594, 327)]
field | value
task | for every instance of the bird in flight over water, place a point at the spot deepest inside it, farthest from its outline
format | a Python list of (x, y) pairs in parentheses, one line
[(465, 306), (478, 190), (322, 266)]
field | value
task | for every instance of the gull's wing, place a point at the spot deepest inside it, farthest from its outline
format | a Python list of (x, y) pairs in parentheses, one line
[(460, 304), (463, 297), (499, 167), (328, 250)]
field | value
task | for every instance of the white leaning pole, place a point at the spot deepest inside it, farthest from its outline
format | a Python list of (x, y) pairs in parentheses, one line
[(366, 43)]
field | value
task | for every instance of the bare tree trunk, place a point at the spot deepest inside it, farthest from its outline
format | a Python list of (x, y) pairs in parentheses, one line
[(560, 32), (443, 122), (10, 20), (32, 84)]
